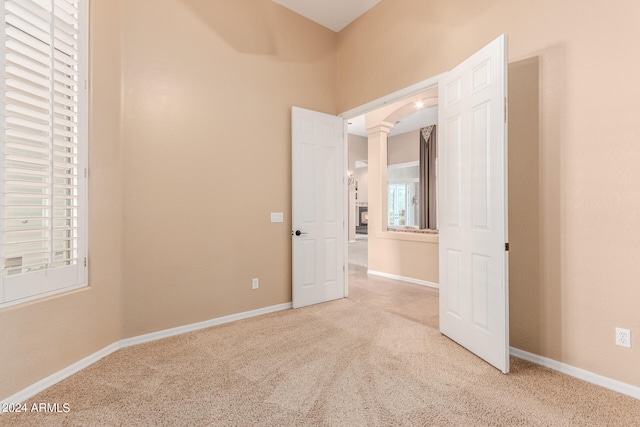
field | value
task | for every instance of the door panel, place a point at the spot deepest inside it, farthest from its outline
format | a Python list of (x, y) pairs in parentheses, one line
[(473, 262), (453, 171), (318, 207)]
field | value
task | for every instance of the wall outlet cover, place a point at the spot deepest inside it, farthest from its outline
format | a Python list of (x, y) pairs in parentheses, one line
[(623, 337)]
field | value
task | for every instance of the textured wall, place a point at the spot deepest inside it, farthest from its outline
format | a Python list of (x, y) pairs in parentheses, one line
[(208, 88)]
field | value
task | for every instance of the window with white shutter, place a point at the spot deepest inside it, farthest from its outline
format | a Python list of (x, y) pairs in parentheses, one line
[(44, 148)]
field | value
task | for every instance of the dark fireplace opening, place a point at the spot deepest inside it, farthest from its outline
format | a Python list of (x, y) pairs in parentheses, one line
[(363, 220)]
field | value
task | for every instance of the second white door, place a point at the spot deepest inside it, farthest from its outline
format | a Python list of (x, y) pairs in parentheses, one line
[(318, 235)]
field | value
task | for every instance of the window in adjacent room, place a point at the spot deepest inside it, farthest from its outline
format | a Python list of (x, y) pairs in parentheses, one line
[(44, 148), (403, 182)]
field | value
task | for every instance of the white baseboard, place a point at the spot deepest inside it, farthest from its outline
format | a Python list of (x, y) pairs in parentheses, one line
[(140, 339), (587, 376), (32, 390), (41, 385), (403, 279)]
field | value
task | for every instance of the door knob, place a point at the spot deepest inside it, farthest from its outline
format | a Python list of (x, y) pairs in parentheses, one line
[(298, 232)]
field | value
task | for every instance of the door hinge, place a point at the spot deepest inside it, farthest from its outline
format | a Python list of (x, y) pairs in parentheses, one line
[(85, 261), (505, 109), (86, 172), (506, 247)]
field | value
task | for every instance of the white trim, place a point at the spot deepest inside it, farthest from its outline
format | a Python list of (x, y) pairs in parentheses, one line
[(51, 293), (345, 208), (83, 154), (602, 381), (55, 378), (140, 339), (403, 279), (32, 390), (393, 97)]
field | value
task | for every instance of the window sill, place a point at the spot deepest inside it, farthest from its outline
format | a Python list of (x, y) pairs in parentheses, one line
[(45, 296), (409, 236)]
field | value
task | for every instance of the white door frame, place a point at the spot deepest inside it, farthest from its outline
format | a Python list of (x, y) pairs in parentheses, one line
[(396, 96)]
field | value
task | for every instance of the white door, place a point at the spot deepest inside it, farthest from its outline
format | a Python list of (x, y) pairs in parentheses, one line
[(474, 297), (318, 235)]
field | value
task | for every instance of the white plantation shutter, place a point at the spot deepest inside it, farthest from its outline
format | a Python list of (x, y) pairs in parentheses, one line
[(44, 147)]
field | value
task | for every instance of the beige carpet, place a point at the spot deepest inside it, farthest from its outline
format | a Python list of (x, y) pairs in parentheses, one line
[(414, 302), (334, 364)]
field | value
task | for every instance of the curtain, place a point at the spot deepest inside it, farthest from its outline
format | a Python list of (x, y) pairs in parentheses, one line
[(428, 155)]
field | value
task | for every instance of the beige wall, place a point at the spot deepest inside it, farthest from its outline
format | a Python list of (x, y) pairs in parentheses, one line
[(574, 182), (403, 148), (42, 337), (208, 90), (357, 150)]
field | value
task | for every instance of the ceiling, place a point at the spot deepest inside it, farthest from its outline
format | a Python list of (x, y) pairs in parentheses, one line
[(333, 14)]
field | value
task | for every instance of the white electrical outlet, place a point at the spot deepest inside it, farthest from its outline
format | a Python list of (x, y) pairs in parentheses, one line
[(623, 337), (254, 283)]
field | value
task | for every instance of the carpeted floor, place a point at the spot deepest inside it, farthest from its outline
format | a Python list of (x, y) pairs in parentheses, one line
[(411, 301), (336, 364)]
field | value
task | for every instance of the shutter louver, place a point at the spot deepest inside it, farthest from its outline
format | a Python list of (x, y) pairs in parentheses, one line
[(41, 157)]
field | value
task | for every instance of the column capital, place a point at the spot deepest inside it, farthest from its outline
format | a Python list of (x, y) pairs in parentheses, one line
[(382, 127)]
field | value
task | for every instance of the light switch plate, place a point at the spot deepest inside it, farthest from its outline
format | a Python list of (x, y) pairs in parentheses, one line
[(277, 217)]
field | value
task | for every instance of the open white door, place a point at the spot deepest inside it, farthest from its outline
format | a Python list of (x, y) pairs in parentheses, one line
[(474, 297), (318, 207)]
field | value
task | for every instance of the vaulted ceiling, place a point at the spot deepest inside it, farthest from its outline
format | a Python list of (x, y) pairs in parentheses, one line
[(333, 14)]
